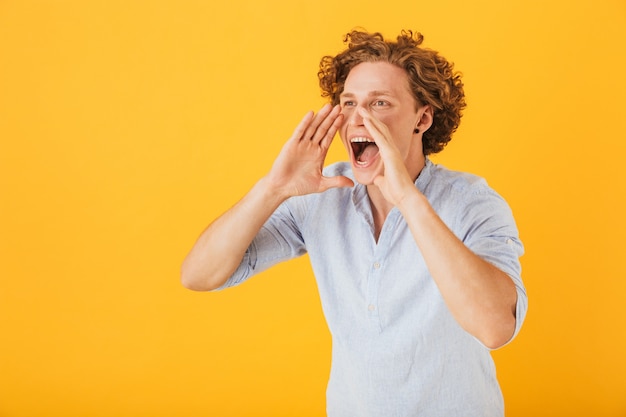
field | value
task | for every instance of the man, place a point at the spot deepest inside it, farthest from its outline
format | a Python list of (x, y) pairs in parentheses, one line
[(417, 266)]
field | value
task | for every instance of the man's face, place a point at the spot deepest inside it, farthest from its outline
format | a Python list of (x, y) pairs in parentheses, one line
[(383, 90)]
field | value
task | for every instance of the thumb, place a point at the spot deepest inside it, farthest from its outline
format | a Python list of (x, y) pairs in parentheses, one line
[(335, 182), (379, 181)]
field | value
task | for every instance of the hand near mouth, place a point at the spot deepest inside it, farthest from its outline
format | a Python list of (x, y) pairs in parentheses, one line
[(298, 168), (394, 181)]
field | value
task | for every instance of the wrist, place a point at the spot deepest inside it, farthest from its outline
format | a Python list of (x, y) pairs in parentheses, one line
[(272, 193), (412, 200)]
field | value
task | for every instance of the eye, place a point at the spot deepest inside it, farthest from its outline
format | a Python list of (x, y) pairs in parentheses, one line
[(379, 103), (347, 103)]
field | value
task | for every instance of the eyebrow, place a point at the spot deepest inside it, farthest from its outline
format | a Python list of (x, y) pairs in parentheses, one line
[(370, 94)]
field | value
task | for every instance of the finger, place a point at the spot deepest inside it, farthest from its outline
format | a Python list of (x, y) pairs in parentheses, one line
[(332, 131), (328, 127), (375, 130), (378, 130), (298, 133), (317, 120), (386, 148)]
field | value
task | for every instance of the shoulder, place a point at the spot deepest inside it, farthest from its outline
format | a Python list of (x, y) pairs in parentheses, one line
[(456, 181), (444, 185), (461, 196)]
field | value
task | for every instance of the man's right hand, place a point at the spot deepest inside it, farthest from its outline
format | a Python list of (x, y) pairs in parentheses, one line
[(298, 168)]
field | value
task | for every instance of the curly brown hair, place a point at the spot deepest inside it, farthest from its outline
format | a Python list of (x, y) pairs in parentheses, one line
[(432, 78)]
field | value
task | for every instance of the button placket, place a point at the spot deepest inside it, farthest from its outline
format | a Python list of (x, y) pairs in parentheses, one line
[(376, 267), (374, 282)]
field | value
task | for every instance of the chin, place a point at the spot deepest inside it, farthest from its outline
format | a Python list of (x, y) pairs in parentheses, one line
[(364, 181), (365, 176)]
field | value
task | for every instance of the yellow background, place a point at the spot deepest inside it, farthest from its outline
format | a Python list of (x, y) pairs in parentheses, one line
[(126, 126)]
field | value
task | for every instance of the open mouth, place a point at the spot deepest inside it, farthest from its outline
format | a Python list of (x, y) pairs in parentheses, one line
[(364, 150)]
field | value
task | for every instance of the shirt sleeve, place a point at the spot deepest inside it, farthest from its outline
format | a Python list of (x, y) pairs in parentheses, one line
[(488, 228), (278, 240)]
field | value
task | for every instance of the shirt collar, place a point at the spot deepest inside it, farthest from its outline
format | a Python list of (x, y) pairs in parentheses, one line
[(424, 176), (361, 201)]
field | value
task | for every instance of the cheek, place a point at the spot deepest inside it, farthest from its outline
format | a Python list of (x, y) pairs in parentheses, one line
[(392, 119), (399, 126)]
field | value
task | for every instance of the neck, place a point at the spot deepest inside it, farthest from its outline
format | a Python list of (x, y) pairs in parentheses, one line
[(380, 208)]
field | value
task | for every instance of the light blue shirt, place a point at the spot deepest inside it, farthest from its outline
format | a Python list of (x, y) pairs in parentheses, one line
[(396, 349)]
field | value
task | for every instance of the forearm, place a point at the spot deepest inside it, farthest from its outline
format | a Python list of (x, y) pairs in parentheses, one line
[(296, 171), (220, 248), (481, 297)]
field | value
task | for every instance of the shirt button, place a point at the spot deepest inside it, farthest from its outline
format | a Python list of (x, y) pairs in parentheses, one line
[(376, 265), (371, 307)]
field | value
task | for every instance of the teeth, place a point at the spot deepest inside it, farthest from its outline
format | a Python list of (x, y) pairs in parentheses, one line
[(360, 139)]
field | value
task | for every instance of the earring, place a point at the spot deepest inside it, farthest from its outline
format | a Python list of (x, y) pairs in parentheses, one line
[(416, 130)]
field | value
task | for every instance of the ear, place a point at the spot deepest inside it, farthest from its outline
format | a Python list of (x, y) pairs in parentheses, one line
[(425, 117)]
